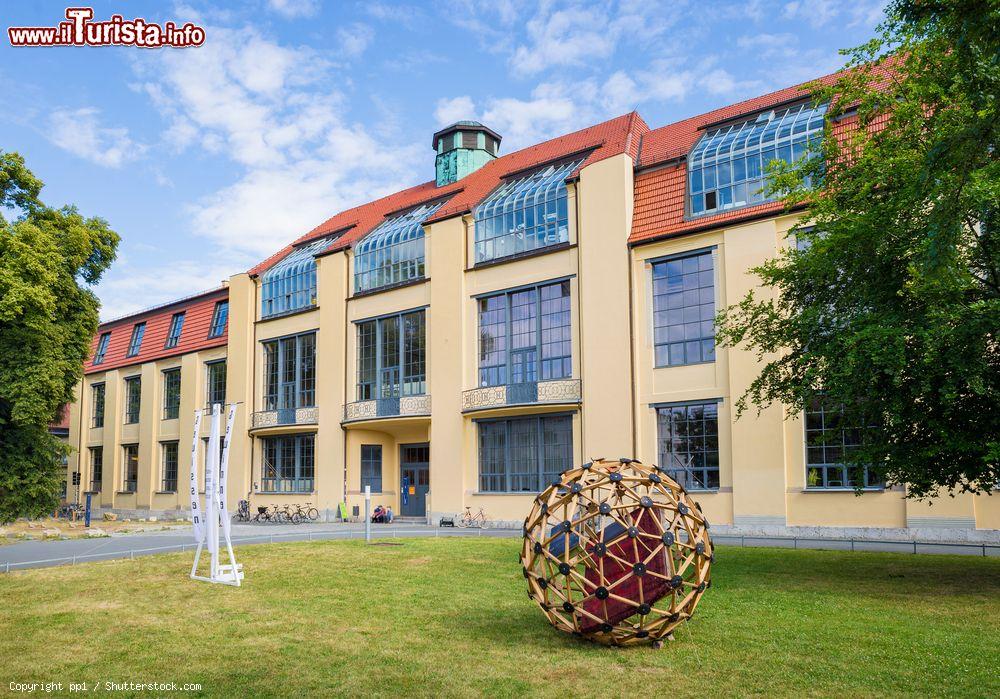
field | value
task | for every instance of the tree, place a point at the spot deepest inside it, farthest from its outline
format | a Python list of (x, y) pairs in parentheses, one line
[(48, 317), (890, 305)]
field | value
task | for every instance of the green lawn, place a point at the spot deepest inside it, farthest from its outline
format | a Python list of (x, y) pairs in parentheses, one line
[(450, 617)]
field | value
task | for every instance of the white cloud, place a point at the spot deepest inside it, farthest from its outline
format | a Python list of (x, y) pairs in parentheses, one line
[(354, 39), (721, 82), (448, 111), (819, 13), (294, 8), (79, 131), (570, 34), (273, 110)]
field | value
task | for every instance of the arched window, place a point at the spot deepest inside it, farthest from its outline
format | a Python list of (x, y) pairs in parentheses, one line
[(524, 214), (393, 252), (291, 284), (727, 168)]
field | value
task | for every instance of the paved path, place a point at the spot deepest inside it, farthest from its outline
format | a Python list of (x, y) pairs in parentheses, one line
[(37, 554)]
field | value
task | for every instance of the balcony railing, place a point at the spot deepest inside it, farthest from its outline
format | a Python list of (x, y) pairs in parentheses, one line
[(285, 416), (530, 393), (405, 406)]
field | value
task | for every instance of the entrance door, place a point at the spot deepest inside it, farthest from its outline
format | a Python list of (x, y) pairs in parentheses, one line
[(415, 479)]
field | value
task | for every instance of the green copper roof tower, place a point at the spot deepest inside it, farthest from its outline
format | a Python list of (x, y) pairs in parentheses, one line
[(463, 148)]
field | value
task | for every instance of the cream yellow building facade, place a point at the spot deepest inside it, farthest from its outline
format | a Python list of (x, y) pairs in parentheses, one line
[(457, 344)]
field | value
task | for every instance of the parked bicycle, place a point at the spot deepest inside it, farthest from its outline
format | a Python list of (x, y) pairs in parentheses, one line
[(478, 520), (242, 511)]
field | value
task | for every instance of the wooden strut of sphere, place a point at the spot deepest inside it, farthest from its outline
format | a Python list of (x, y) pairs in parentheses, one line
[(616, 552)]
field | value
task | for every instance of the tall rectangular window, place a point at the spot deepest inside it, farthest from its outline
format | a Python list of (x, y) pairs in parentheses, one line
[(727, 168), (174, 333), (133, 399), (688, 438), (392, 357), (130, 463), (525, 335), (97, 405), (96, 468), (684, 310), (219, 317), (524, 214), (522, 455), (102, 347), (171, 394), (215, 383), (288, 464), (829, 446), (371, 467), (290, 372), (168, 452), (135, 342)]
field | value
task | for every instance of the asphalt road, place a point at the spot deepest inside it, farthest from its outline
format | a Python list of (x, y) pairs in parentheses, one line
[(41, 553)]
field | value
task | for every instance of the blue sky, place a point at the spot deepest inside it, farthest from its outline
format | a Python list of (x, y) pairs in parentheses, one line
[(206, 160)]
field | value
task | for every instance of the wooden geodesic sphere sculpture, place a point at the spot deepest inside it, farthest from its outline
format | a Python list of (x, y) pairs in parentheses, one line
[(616, 551)]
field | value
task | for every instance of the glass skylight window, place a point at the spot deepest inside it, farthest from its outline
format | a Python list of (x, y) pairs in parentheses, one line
[(524, 214), (135, 343), (174, 334), (291, 284), (393, 252), (727, 168), (102, 347)]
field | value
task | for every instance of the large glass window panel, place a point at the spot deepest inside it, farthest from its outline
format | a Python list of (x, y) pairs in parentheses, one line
[(289, 464), (726, 168), (393, 253), (524, 214), (289, 372), (522, 330), (392, 357), (689, 444), (521, 455), (684, 310), (290, 285), (830, 443)]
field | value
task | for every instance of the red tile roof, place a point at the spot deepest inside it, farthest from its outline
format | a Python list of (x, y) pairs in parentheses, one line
[(660, 184), (198, 311), (604, 140)]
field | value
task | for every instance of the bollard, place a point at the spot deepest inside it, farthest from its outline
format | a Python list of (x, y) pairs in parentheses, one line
[(368, 514)]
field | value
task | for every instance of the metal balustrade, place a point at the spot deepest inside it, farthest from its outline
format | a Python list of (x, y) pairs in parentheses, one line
[(528, 393), (285, 416), (400, 406)]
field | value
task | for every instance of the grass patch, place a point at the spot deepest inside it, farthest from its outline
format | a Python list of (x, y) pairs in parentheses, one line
[(450, 617)]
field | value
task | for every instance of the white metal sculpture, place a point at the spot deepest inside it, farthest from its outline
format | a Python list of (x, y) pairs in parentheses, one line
[(206, 521)]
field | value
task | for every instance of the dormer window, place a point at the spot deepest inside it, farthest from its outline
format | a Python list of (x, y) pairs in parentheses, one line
[(393, 253), (525, 214), (135, 342), (727, 167), (290, 285)]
